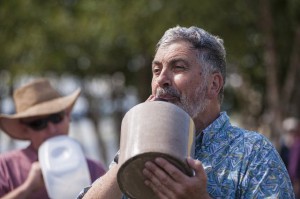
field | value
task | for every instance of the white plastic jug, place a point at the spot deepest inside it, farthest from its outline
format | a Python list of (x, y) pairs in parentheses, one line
[(64, 167)]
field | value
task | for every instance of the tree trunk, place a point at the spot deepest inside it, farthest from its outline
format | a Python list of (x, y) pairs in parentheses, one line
[(273, 111), (291, 77)]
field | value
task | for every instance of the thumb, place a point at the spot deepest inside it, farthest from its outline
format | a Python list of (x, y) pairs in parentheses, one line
[(197, 166)]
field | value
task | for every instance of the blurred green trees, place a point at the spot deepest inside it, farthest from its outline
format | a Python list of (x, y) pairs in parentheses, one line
[(89, 39)]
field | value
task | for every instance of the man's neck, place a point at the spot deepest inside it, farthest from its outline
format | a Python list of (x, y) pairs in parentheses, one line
[(205, 118)]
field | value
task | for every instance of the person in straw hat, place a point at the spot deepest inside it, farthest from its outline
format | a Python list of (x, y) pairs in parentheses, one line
[(41, 113)]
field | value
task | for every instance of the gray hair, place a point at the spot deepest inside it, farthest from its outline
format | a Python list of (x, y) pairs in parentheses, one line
[(211, 51)]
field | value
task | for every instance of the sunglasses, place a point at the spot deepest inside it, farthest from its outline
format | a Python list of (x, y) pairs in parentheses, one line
[(42, 123)]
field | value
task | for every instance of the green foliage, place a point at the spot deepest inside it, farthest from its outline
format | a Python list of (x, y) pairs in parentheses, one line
[(88, 38)]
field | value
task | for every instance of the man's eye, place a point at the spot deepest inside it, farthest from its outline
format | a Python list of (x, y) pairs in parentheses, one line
[(179, 68), (155, 70)]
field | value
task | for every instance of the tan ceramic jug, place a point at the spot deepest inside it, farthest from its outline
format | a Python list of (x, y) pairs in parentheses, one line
[(149, 130)]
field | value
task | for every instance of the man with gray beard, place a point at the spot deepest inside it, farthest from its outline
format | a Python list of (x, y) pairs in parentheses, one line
[(189, 70)]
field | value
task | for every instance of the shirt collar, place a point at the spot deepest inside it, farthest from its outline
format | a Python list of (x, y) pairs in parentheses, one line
[(209, 132)]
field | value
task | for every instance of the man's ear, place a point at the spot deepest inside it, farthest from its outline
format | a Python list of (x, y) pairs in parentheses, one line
[(216, 83)]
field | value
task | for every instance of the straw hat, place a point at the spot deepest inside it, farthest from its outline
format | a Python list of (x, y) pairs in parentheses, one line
[(35, 99)]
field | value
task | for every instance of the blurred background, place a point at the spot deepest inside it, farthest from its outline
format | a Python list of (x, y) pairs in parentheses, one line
[(106, 48)]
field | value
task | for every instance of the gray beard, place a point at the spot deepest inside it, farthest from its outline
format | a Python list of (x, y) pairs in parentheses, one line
[(193, 106)]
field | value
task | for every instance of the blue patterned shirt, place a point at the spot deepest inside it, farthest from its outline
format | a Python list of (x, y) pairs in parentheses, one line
[(240, 163)]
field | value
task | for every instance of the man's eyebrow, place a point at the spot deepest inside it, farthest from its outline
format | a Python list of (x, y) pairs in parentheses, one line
[(173, 61), (155, 62)]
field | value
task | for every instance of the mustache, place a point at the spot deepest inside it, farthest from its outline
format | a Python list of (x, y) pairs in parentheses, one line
[(160, 92)]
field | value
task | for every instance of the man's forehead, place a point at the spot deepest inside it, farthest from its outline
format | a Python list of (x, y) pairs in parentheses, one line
[(181, 43), (179, 51)]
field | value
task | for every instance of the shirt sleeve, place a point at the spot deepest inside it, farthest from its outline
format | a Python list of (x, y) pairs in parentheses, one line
[(265, 175), (83, 192), (3, 180)]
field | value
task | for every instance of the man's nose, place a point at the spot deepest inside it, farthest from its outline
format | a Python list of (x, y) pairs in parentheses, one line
[(164, 79)]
